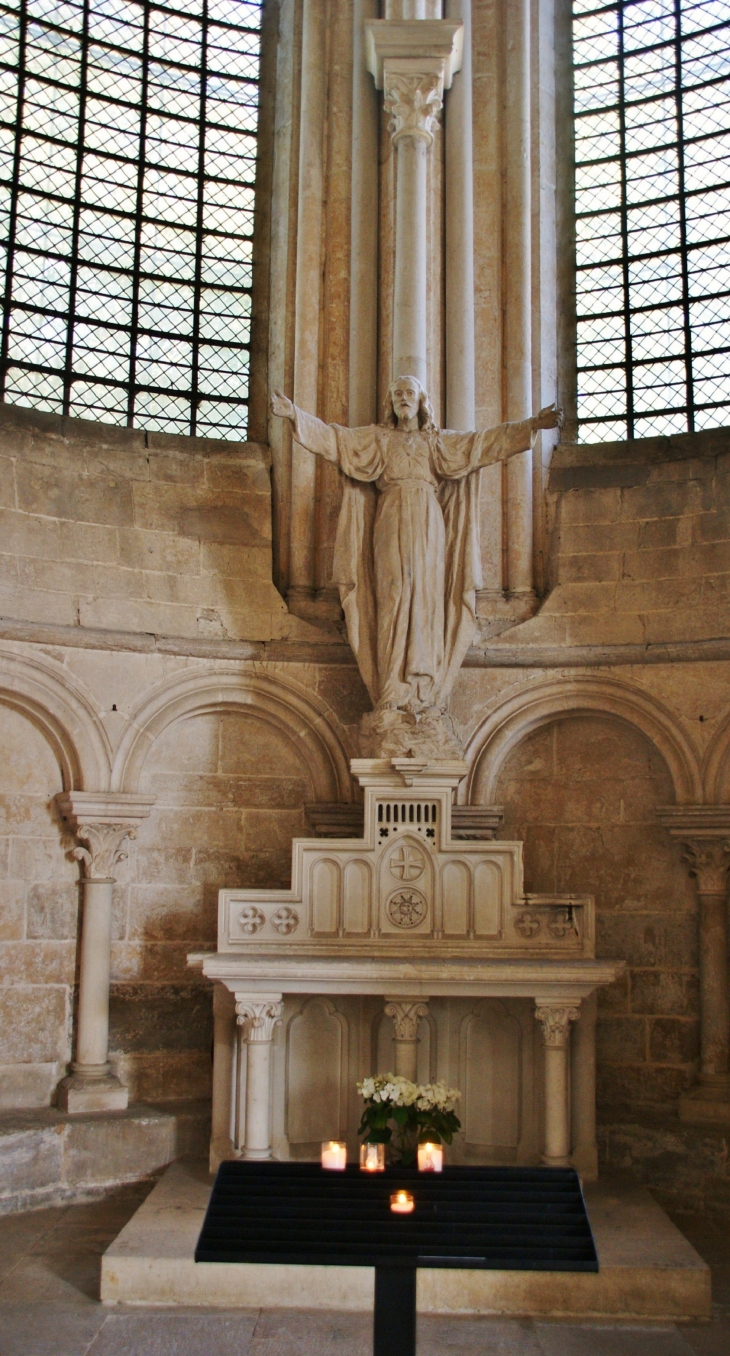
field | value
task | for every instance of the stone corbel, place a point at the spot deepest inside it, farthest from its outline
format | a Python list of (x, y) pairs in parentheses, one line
[(103, 823), (704, 833)]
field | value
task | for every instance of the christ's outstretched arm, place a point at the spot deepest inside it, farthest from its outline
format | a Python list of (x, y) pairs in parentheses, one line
[(310, 431)]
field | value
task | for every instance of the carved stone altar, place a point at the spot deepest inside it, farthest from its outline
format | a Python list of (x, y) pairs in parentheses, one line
[(411, 931)]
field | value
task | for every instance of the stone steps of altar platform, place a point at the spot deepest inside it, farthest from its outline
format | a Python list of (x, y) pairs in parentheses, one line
[(49, 1157), (685, 1166)]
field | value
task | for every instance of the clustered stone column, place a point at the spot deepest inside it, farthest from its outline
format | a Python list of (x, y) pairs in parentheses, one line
[(704, 832), (555, 1021), (406, 1014), (103, 824), (258, 1015)]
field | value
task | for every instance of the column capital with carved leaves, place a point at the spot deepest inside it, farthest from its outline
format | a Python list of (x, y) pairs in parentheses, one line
[(103, 823), (704, 834), (406, 1013), (259, 1016)]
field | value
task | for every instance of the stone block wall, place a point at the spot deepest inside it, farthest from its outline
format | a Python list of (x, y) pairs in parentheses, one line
[(141, 532), (641, 542), (39, 917), (582, 793)]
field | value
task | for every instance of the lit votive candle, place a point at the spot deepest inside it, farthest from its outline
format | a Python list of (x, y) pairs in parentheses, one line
[(402, 1202), (334, 1154), (372, 1157), (430, 1158)]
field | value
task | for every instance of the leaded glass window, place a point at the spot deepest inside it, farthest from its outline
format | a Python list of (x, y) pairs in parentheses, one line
[(652, 131), (128, 151)]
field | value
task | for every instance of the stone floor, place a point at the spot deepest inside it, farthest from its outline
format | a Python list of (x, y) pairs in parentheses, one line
[(49, 1286)]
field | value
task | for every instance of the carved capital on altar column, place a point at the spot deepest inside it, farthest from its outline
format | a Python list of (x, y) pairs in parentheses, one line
[(555, 1022), (103, 822), (259, 1017), (414, 102), (406, 1014)]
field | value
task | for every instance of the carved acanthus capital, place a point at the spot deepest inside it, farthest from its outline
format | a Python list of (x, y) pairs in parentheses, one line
[(104, 847), (103, 821), (258, 1017), (406, 1014), (555, 1023), (414, 103), (709, 863)]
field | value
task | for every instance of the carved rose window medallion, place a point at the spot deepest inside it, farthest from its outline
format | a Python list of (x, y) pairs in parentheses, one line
[(406, 908)]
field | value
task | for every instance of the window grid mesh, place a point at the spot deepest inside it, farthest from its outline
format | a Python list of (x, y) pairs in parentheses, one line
[(652, 130), (127, 166)]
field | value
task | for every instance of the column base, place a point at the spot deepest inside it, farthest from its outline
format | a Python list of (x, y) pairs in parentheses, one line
[(709, 1102), (548, 1162), (82, 1092), (256, 1155)]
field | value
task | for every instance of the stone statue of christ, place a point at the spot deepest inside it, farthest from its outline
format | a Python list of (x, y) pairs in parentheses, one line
[(407, 559)]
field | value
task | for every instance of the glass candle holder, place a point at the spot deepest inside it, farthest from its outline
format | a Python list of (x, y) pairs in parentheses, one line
[(334, 1155), (430, 1158), (402, 1203), (372, 1157)]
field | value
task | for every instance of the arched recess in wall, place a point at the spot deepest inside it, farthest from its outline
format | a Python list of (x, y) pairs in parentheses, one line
[(312, 729), (64, 715), (716, 765), (504, 728)]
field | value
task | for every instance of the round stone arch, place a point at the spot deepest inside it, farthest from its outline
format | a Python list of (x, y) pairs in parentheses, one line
[(312, 729), (65, 717), (542, 703), (716, 765)]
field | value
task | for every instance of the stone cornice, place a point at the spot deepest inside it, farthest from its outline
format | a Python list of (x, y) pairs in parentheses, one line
[(339, 654), (699, 822), (557, 983), (104, 807), (414, 45)]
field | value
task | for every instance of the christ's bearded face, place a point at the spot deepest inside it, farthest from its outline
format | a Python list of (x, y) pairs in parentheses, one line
[(406, 395)]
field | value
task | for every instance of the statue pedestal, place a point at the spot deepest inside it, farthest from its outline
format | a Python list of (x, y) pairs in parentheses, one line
[(433, 933)]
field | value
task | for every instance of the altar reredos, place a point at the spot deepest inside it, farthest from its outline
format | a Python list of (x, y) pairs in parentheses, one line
[(406, 885)]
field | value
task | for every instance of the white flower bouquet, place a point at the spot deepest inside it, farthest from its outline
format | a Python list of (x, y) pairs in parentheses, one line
[(402, 1114)]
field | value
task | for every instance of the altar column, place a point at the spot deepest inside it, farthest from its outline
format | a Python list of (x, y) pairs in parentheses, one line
[(555, 1021), (258, 1015), (704, 832), (406, 1014), (102, 822)]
